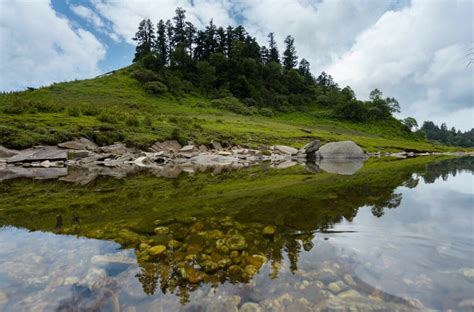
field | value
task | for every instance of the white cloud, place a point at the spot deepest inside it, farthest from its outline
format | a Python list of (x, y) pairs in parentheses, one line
[(88, 15), (417, 55), (125, 15), (39, 47)]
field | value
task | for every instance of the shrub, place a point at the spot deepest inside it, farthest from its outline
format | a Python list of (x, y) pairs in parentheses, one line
[(74, 111), (17, 107), (231, 104), (132, 121), (91, 110), (107, 117), (155, 87), (267, 112), (145, 75), (177, 135), (148, 121)]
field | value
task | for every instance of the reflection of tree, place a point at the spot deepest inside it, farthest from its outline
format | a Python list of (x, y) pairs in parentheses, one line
[(392, 202), (223, 240), (446, 168)]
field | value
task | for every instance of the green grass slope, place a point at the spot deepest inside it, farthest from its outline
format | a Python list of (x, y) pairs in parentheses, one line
[(116, 108)]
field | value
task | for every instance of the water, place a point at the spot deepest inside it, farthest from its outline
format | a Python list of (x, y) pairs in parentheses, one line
[(396, 235)]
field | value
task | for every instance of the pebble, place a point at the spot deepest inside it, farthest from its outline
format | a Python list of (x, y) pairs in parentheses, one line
[(3, 297), (350, 294), (334, 288), (250, 307)]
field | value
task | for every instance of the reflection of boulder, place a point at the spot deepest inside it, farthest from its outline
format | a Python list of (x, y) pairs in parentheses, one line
[(341, 166), (341, 150), (81, 176)]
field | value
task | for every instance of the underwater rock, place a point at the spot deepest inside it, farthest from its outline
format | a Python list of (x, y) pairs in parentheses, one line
[(157, 250), (250, 270), (162, 230), (268, 230), (174, 244), (236, 242)]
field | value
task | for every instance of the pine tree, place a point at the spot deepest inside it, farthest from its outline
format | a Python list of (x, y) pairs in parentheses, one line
[(274, 55), (145, 37), (170, 38), (161, 46), (179, 27), (199, 48), (190, 32), (221, 41), (290, 60), (210, 43), (229, 37)]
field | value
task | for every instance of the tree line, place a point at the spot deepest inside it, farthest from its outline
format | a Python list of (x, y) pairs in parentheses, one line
[(448, 136), (228, 62)]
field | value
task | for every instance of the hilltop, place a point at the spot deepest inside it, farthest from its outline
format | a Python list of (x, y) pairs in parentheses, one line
[(116, 108), (203, 85)]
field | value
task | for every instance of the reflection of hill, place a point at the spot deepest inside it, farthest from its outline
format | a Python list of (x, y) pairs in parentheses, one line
[(211, 229)]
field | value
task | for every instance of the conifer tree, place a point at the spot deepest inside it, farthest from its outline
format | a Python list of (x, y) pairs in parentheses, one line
[(290, 60), (161, 46), (273, 50), (145, 38)]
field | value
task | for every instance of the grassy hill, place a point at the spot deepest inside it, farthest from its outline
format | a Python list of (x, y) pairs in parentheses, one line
[(117, 108)]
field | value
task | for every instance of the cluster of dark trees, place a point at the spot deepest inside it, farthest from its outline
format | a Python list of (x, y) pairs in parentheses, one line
[(228, 62), (448, 136)]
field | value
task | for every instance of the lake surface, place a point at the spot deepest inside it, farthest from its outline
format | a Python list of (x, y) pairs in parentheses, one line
[(396, 235)]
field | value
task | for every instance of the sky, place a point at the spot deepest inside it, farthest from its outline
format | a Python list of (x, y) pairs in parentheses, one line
[(417, 51)]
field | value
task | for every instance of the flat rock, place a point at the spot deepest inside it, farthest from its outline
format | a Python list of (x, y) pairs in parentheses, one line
[(286, 149), (6, 152), (115, 149), (166, 146), (40, 154), (187, 148), (341, 150), (81, 144)]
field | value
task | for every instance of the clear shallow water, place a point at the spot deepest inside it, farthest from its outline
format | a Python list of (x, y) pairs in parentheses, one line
[(395, 236)]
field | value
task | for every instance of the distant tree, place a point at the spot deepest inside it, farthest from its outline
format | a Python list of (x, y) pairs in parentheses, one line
[(290, 60), (145, 38), (264, 55), (161, 46), (326, 81), (410, 123), (274, 55)]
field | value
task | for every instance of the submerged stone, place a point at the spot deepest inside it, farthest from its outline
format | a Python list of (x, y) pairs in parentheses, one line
[(268, 230), (162, 230), (157, 250), (236, 242)]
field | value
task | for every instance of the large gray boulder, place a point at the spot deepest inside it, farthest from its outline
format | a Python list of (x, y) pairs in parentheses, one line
[(341, 150)]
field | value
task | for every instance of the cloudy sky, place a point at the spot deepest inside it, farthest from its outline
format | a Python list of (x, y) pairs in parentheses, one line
[(416, 51)]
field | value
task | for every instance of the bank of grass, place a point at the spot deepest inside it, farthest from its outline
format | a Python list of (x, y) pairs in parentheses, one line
[(116, 108)]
